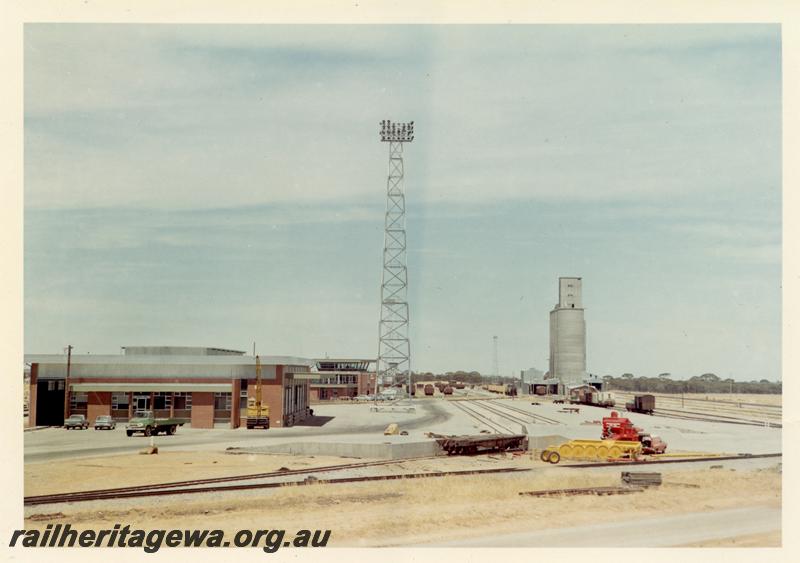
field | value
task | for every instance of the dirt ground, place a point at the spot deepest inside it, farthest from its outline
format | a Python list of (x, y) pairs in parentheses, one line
[(132, 469), (389, 513)]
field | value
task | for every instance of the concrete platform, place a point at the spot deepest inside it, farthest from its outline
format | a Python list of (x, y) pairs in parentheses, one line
[(369, 450)]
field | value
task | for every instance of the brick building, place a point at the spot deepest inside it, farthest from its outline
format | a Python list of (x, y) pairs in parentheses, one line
[(336, 379), (207, 386)]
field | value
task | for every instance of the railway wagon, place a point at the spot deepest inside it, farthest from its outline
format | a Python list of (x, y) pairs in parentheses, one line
[(469, 445), (429, 389), (591, 397), (501, 389), (642, 403)]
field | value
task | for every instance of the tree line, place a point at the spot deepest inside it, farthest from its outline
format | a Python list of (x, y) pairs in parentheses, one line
[(706, 383), (663, 383)]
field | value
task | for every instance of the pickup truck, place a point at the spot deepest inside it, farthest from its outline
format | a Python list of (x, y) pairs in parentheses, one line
[(146, 423), (76, 421)]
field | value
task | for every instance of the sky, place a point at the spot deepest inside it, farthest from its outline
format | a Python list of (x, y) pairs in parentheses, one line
[(224, 185)]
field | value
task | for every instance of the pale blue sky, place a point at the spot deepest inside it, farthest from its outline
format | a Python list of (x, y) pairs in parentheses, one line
[(215, 185)]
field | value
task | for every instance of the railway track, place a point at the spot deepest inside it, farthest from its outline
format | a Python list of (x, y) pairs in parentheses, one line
[(228, 479), (750, 412), (155, 491), (511, 417), (663, 461), (763, 406), (499, 409), (704, 417), (165, 489), (535, 417), (496, 407), (482, 418)]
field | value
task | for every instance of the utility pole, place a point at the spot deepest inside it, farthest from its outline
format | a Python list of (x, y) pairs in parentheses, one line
[(394, 348), (66, 382)]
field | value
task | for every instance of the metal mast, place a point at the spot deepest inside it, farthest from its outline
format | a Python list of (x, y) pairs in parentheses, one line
[(394, 349), (495, 361)]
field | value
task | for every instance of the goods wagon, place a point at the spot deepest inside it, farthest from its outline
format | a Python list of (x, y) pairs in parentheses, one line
[(642, 403)]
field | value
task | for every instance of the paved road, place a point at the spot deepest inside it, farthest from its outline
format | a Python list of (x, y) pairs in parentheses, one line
[(662, 531), (57, 443)]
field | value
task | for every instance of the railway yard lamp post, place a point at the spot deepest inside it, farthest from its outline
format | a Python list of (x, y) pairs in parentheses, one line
[(394, 348)]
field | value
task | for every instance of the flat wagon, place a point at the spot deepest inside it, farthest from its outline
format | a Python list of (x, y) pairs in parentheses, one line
[(468, 445)]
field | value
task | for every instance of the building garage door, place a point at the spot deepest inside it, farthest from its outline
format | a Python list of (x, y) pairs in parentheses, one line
[(50, 402)]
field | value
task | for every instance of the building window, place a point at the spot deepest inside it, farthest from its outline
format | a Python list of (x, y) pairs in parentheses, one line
[(162, 401), (119, 401), (78, 400), (51, 385), (222, 401), (182, 400)]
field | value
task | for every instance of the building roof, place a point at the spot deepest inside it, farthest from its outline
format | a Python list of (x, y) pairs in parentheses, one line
[(179, 351), (149, 359), (168, 367)]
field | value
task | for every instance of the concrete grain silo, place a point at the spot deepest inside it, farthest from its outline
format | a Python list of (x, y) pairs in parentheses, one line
[(568, 334)]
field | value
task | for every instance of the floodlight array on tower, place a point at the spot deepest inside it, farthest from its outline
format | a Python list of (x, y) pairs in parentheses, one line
[(397, 132)]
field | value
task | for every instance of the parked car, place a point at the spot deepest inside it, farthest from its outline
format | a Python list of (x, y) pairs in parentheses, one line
[(361, 398), (76, 421), (104, 422)]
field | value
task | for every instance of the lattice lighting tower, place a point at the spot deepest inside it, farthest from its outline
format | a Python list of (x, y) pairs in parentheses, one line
[(394, 349), (495, 360)]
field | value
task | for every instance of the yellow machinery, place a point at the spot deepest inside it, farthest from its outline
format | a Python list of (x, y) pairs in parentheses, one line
[(596, 450), (257, 412)]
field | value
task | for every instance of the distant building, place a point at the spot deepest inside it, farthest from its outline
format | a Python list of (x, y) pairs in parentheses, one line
[(531, 374), (568, 334), (537, 382), (207, 386), (341, 379)]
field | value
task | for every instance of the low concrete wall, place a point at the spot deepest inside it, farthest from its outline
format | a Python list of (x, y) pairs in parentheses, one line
[(372, 451), (541, 442)]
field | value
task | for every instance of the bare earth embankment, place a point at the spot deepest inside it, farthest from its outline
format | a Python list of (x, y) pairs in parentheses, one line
[(410, 512)]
